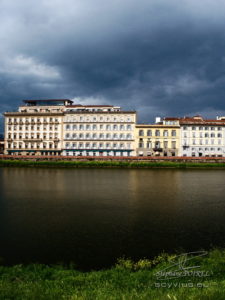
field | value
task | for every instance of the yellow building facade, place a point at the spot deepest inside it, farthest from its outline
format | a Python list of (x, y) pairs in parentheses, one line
[(160, 139)]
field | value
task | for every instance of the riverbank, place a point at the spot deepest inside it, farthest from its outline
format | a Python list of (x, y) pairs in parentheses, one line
[(127, 280), (112, 164)]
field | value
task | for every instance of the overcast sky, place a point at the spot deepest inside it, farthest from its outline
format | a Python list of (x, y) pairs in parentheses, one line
[(160, 57)]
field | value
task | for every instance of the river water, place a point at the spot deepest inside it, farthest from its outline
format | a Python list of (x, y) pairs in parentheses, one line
[(91, 217)]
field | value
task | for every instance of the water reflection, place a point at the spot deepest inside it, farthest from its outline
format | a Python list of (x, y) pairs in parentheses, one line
[(94, 216)]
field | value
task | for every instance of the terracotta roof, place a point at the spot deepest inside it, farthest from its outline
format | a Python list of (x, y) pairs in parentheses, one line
[(196, 120), (201, 121), (171, 119), (74, 105)]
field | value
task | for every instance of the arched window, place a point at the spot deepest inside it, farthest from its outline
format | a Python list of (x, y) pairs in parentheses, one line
[(141, 132), (149, 133), (157, 133)]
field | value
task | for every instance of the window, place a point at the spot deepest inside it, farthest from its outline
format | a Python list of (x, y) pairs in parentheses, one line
[(74, 127), (67, 136), (141, 132), (157, 144), (67, 127), (165, 133), (165, 144), (173, 145), (149, 133), (157, 133), (149, 144), (174, 133)]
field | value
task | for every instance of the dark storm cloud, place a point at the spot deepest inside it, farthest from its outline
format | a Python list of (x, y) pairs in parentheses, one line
[(159, 57)]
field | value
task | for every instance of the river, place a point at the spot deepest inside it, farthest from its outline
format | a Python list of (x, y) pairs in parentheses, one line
[(91, 217)]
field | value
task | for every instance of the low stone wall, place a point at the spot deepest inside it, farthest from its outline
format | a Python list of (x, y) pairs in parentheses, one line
[(114, 158)]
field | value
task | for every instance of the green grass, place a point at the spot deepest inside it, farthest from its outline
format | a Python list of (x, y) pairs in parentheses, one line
[(127, 280), (109, 164)]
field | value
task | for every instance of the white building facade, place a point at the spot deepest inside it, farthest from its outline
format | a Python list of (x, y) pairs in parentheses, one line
[(98, 131), (201, 137)]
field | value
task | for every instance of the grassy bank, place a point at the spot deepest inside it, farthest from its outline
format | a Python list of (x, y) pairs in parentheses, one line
[(109, 164), (127, 280)]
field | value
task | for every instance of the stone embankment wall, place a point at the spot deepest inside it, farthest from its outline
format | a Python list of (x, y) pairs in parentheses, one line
[(114, 158)]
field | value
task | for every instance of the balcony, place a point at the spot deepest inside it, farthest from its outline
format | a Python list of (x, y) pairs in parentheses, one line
[(156, 149), (32, 140)]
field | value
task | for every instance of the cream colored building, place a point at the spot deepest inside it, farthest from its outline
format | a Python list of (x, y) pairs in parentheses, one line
[(159, 139), (54, 127), (98, 130), (36, 129)]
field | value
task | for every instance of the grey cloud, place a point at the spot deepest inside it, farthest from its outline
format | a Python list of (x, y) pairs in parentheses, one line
[(159, 57)]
